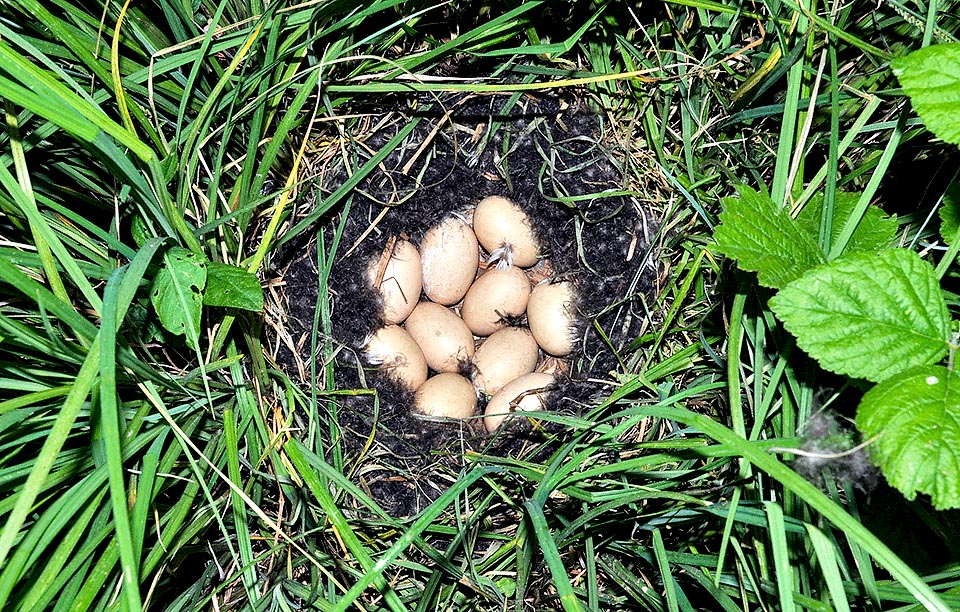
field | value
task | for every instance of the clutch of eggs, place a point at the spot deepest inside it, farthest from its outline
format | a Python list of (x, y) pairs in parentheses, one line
[(447, 308)]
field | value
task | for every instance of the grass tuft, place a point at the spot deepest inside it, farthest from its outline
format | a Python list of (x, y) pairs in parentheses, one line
[(140, 469)]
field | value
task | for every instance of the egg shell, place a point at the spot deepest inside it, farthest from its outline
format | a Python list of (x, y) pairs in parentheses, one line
[(507, 354), (523, 393), (398, 355), (499, 292), (443, 337), (498, 221), (551, 317), (446, 395), (401, 282), (450, 255)]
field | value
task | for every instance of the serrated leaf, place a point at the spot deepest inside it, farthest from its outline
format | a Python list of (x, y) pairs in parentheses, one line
[(868, 315), (232, 287), (915, 417), (763, 238), (875, 232), (950, 213), (931, 77), (177, 292)]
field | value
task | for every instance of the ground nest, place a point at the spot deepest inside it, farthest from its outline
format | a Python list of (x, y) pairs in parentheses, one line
[(553, 158)]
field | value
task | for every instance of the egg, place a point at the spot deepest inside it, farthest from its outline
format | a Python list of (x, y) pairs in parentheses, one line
[(505, 231), (398, 355), (450, 255), (446, 395), (507, 354), (443, 337), (551, 317), (498, 293), (527, 392), (400, 283)]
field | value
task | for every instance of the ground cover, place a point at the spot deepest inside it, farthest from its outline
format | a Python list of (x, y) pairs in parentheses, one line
[(187, 422)]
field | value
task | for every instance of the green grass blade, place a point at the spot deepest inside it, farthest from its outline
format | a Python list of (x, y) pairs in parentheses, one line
[(871, 189), (118, 295), (781, 556), (348, 185), (838, 32), (68, 119), (813, 497), (50, 525), (39, 225), (340, 525), (86, 378), (239, 509), (41, 592), (561, 581), (663, 564), (57, 104), (788, 124), (23, 177), (413, 531), (145, 493), (829, 566)]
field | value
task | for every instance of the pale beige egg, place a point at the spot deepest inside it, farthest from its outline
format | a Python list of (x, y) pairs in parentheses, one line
[(551, 314), (450, 256), (505, 231), (400, 283), (446, 395), (443, 337), (507, 354), (498, 293), (398, 355), (527, 393)]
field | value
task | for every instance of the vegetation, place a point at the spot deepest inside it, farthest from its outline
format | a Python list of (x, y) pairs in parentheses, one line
[(156, 158)]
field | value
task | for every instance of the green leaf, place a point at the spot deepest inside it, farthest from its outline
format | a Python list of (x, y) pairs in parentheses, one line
[(931, 77), (177, 293), (763, 238), (232, 287), (868, 315), (915, 417), (875, 232), (950, 213)]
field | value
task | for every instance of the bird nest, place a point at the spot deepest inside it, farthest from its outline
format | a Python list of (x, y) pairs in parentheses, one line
[(560, 164)]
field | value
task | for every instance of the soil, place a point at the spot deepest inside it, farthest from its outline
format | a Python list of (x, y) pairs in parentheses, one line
[(549, 156)]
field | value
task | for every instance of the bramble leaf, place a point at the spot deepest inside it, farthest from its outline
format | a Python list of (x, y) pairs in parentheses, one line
[(868, 315), (916, 419), (875, 232), (232, 287), (176, 293), (763, 238), (931, 77), (950, 213)]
